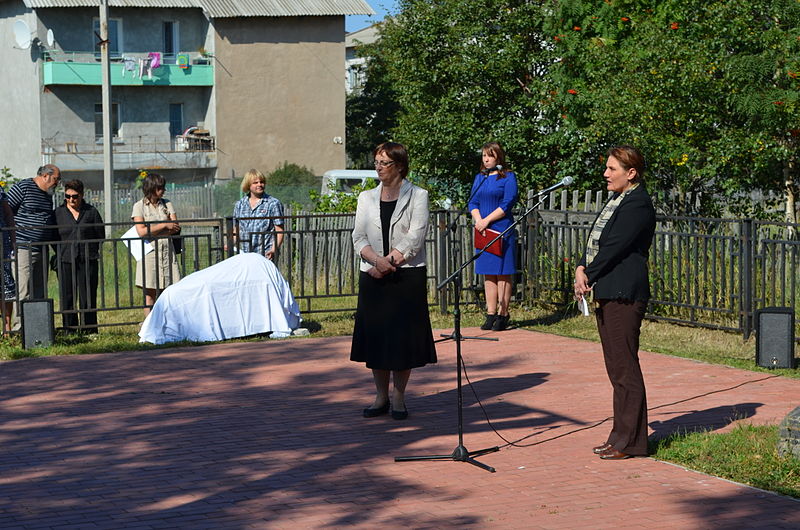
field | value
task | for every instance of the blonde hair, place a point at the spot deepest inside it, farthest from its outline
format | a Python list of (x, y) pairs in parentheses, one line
[(252, 176)]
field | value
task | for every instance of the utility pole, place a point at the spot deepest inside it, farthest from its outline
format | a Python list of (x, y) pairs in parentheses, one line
[(108, 140)]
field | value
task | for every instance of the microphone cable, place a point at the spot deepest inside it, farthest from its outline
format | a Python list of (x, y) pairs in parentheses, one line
[(516, 443)]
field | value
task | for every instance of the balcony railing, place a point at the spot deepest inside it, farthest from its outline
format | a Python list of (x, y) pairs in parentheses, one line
[(136, 144), (83, 68), (131, 152)]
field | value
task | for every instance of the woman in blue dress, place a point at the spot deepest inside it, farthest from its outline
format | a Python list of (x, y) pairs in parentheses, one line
[(494, 194)]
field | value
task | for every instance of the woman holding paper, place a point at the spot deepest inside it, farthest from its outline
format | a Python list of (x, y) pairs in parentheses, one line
[(614, 270), (494, 194), (155, 218)]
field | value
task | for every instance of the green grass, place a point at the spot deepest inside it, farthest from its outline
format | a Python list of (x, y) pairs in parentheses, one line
[(748, 454)]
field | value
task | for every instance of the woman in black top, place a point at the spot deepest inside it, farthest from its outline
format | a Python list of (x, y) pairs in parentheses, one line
[(80, 228), (614, 270)]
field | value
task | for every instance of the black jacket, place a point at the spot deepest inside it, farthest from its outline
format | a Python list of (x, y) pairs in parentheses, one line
[(75, 231), (619, 270)]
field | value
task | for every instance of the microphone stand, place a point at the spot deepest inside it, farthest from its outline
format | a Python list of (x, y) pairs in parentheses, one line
[(460, 453)]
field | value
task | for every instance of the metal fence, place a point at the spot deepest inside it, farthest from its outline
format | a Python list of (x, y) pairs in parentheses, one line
[(712, 273)]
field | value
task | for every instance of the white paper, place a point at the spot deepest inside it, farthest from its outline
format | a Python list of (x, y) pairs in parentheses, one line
[(138, 246), (584, 306)]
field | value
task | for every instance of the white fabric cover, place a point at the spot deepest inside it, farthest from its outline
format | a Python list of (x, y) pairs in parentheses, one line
[(243, 295)]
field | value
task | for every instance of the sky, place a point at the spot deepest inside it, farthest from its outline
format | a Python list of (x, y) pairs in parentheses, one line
[(381, 7)]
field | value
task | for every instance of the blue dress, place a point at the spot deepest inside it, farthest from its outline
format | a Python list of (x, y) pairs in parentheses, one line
[(496, 192)]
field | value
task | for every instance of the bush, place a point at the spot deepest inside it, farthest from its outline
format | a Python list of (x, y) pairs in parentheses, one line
[(293, 175)]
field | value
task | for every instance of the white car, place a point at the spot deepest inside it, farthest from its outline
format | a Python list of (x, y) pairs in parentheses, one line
[(344, 180)]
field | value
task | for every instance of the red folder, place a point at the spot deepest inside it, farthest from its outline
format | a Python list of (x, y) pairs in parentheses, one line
[(481, 241)]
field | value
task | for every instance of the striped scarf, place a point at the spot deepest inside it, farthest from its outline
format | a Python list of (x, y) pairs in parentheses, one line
[(593, 243)]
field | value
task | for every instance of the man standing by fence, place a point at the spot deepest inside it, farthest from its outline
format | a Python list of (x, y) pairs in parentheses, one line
[(31, 200)]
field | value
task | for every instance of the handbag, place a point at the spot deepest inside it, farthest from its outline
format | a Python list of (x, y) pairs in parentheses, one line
[(481, 240), (177, 244)]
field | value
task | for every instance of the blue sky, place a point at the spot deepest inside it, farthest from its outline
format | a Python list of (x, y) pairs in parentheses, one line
[(381, 7)]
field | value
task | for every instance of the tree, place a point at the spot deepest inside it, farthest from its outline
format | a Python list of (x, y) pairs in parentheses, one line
[(708, 90), (465, 72), (371, 111)]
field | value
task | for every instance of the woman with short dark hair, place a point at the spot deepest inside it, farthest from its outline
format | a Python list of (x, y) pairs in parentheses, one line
[(392, 332), (80, 229), (614, 271)]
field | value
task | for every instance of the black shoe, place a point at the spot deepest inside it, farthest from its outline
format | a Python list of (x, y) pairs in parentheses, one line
[(501, 323), (380, 411), (399, 414), (490, 320)]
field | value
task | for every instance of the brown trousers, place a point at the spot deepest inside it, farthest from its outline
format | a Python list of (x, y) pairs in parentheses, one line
[(619, 322)]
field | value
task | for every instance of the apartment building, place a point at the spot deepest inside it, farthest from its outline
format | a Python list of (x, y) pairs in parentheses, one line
[(202, 90)]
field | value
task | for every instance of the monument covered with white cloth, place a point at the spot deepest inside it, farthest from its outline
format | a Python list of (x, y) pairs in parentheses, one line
[(243, 295)]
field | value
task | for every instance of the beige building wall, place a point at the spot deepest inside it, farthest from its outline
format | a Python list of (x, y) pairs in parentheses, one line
[(280, 93)]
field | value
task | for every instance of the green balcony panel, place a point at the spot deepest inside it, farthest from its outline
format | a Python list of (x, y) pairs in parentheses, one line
[(74, 73)]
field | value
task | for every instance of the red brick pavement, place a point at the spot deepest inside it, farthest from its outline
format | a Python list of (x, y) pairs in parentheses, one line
[(270, 435)]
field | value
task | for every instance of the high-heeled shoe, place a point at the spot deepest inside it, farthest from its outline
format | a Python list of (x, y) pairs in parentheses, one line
[(501, 323), (399, 414), (380, 411), (489, 322)]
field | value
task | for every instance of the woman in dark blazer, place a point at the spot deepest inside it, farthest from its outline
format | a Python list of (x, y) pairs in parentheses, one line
[(79, 228), (614, 271)]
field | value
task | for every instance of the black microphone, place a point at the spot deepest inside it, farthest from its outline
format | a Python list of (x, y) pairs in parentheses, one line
[(490, 169), (566, 181)]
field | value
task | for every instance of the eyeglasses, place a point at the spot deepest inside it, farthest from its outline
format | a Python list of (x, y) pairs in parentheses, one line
[(383, 163), (72, 196)]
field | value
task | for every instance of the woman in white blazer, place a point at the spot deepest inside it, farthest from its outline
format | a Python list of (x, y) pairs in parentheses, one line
[(392, 332)]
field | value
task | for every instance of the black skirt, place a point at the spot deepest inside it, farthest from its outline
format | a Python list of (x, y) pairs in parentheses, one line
[(393, 327)]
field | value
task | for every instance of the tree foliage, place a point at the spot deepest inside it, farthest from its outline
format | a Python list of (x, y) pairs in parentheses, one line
[(461, 71), (707, 89), (371, 111)]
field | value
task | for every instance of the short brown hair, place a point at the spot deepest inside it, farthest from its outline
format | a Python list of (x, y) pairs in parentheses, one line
[(629, 157), (396, 153), (150, 185)]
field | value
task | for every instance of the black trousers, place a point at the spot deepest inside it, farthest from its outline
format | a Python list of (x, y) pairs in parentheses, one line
[(619, 323), (79, 280)]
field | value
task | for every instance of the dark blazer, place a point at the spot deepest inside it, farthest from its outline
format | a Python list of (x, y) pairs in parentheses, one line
[(619, 270), (76, 230)]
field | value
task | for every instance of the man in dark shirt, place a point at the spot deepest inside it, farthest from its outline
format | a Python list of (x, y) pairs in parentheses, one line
[(31, 200)]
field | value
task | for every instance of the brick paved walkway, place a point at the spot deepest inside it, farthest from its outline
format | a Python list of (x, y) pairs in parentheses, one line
[(270, 435)]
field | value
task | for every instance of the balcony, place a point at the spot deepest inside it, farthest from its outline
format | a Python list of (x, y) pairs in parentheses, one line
[(75, 153), (82, 68)]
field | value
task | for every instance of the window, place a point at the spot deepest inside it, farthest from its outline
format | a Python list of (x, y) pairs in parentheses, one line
[(171, 41), (98, 120), (175, 119), (114, 37)]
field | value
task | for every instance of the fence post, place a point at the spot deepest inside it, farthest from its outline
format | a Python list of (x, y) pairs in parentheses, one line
[(746, 266), (533, 258), (229, 235), (442, 230)]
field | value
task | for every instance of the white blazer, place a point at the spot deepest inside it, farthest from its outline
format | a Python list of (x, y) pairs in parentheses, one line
[(409, 224)]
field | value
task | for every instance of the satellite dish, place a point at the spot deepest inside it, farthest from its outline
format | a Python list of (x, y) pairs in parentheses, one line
[(22, 34), (51, 39)]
